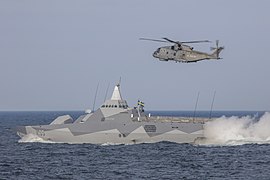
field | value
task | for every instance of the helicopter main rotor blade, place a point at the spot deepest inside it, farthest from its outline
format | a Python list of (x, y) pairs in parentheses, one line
[(172, 41), (169, 40), (147, 39), (185, 42), (189, 42)]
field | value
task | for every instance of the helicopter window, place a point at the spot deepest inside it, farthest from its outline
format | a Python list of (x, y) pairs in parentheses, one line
[(106, 106), (115, 106), (174, 54), (103, 106), (172, 47)]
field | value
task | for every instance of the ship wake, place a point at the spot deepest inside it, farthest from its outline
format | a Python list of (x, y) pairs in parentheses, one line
[(237, 131), (33, 138)]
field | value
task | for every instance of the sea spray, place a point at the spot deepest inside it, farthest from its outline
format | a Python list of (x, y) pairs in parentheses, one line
[(237, 131), (33, 138)]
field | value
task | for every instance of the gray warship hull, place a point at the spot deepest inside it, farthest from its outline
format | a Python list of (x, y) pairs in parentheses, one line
[(123, 132), (114, 122)]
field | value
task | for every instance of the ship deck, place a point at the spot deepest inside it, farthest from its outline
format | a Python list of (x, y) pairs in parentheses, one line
[(178, 119)]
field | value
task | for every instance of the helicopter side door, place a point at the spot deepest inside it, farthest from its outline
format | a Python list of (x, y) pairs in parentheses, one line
[(167, 53), (180, 55)]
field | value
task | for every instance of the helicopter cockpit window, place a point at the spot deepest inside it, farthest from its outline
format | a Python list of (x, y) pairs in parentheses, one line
[(158, 50)]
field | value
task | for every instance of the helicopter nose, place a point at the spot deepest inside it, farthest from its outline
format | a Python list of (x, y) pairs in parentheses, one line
[(155, 54)]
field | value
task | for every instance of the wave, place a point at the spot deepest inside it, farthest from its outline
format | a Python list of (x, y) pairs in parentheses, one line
[(237, 131)]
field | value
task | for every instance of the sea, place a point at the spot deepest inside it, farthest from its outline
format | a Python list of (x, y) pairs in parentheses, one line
[(237, 147)]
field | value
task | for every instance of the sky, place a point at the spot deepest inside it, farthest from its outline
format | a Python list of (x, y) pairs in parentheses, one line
[(54, 53)]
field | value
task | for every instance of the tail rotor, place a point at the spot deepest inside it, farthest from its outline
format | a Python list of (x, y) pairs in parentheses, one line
[(217, 50)]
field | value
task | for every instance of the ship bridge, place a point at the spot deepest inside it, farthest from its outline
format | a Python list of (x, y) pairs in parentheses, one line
[(116, 100)]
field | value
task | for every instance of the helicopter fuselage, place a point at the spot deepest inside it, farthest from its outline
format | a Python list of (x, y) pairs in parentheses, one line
[(182, 53)]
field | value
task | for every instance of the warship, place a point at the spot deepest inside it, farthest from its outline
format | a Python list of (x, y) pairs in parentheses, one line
[(116, 123)]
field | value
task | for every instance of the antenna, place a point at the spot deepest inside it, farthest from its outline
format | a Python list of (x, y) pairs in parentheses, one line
[(95, 97), (210, 115), (119, 81), (106, 92), (194, 114)]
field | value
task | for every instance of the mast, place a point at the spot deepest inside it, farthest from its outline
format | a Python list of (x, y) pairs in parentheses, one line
[(194, 114), (106, 92), (210, 115), (95, 98)]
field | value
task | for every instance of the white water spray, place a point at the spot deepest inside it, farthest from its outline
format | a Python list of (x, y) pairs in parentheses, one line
[(237, 131), (33, 138)]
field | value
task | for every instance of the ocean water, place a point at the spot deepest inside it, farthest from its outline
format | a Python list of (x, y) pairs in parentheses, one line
[(238, 147)]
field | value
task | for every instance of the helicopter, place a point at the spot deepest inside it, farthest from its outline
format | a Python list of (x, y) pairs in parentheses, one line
[(180, 52)]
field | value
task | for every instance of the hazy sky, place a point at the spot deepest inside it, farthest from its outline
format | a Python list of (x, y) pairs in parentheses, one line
[(54, 53)]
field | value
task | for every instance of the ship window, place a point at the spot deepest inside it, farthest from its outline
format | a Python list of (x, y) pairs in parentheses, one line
[(167, 52), (115, 106), (106, 106), (174, 54), (109, 106), (120, 106)]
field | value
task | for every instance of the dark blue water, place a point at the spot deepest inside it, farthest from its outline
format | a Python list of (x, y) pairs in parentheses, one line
[(143, 161)]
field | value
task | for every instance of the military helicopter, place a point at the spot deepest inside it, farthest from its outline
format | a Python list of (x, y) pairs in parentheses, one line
[(180, 52)]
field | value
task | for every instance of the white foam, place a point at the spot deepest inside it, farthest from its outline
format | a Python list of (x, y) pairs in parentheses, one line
[(33, 138), (237, 131), (110, 144), (115, 144)]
